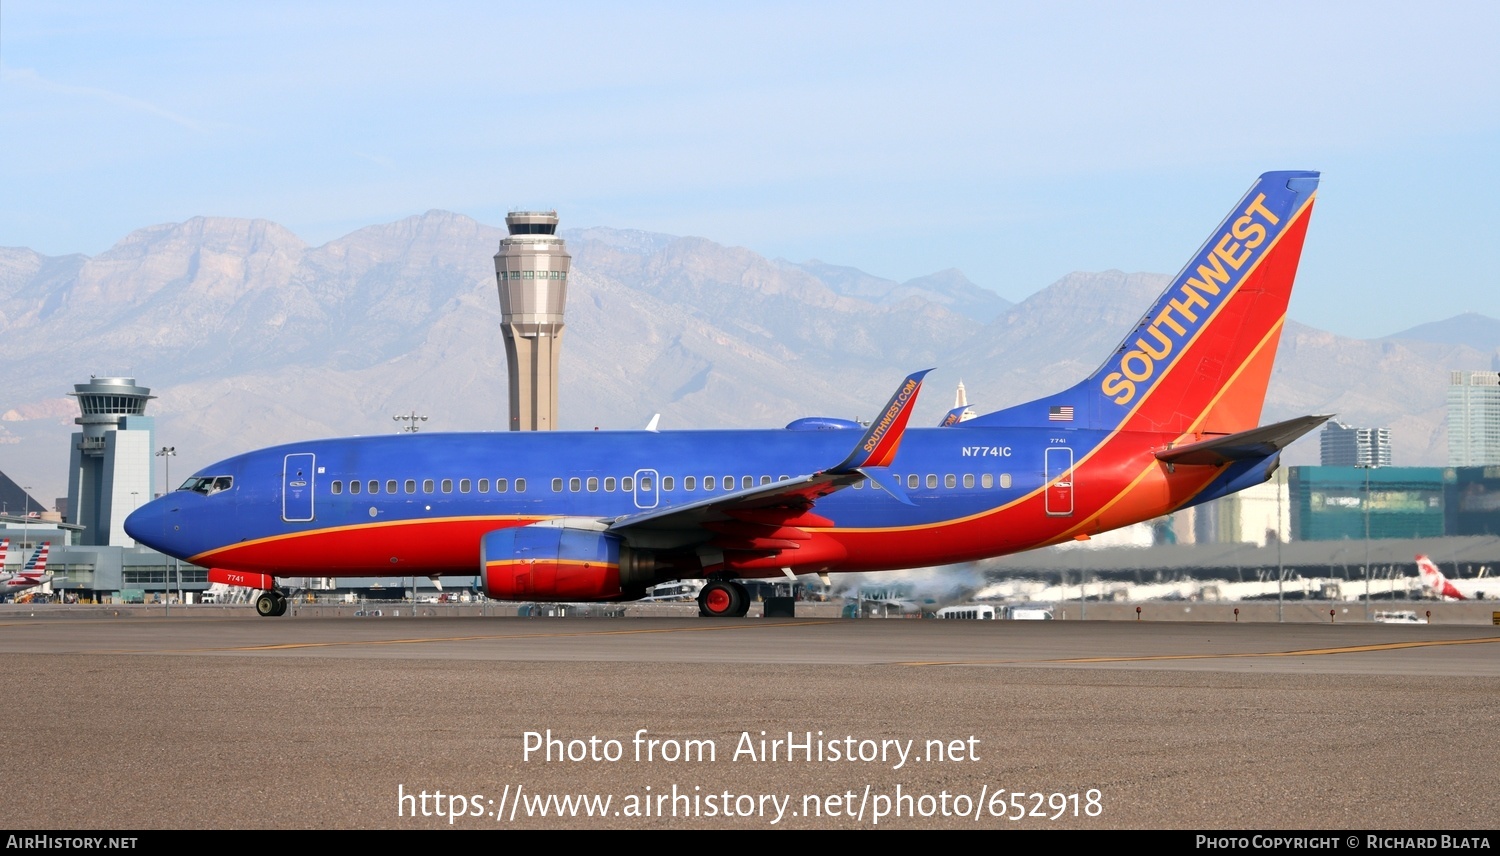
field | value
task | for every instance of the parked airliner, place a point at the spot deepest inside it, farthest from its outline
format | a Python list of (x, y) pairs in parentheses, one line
[(1168, 421), (31, 575), (1447, 589)]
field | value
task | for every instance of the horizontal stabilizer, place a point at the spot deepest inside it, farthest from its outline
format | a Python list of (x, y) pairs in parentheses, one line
[(1245, 445)]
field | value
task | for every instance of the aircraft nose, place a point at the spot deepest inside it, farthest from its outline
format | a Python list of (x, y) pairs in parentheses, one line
[(148, 524)]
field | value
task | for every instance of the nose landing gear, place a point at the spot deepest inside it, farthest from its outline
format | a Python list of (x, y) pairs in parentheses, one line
[(270, 604)]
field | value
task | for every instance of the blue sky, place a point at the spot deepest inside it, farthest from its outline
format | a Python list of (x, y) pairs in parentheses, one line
[(1017, 142)]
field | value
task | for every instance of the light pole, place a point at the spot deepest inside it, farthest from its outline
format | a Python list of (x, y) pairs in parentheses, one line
[(26, 523), (167, 453), (1280, 568), (411, 420), (1367, 466)]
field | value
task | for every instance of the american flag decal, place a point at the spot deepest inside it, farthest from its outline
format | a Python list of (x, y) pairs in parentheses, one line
[(1063, 413)]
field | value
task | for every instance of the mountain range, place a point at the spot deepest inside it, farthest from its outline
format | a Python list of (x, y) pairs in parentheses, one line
[(249, 336)]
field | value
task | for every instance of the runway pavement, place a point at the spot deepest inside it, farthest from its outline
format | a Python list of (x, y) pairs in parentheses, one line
[(139, 721)]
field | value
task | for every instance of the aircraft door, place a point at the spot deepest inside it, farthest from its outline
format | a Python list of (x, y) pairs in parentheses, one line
[(297, 487), (646, 489), (1059, 481)]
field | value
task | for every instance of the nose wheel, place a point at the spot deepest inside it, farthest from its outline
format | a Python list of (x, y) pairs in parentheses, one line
[(270, 604), (723, 599)]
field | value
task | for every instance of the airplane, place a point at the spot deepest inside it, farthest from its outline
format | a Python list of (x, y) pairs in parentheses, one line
[(1445, 588), (31, 575), (1168, 421)]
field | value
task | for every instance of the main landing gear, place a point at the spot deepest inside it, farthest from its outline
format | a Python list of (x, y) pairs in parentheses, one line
[(270, 604), (723, 599)]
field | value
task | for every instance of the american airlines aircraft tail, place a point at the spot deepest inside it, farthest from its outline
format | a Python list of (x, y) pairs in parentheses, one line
[(31, 575), (36, 566)]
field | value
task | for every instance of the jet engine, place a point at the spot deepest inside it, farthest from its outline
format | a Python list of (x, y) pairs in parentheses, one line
[(563, 561)]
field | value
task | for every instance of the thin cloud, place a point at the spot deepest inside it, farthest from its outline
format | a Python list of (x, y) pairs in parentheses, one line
[(27, 77)]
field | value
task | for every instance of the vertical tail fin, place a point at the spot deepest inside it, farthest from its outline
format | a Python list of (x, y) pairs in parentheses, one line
[(1434, 579), (1200, 359), (37, 564)]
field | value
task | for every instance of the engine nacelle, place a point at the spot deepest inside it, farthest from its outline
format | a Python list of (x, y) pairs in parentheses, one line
[(547, 561)]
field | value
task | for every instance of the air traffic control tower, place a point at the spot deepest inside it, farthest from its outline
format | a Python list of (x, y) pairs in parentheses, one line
[(109, 472), (532, 272)]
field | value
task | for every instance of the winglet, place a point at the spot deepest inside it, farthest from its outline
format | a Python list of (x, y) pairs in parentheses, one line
[(955, 416), (887, 483), (878, 447)]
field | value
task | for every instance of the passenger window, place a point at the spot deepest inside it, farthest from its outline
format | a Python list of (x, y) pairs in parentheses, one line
[(593, 484), (689, 482), (859, 485), (501, 486), (666, 482), (1005, 479), (609, 484), (627, 484), (557, 485), (747, 481), (520, 485), (765, 479), (337, 487), (646, 483), (950, 481), (355, 486), (968, 479), (987, 481), (709, 482), (411, 485), (428, 485), (374, 486), (390, 485), (447, 485), (575, 484), (464, 485), (913, 482), (729, 482), (484, 485)]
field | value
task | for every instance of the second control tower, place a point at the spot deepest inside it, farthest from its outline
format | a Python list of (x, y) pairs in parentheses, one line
[(532, 272)]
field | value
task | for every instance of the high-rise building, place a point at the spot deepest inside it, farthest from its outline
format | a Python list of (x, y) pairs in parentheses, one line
[(531, 270), (1347, 446), (109, 473), (1473, 419)]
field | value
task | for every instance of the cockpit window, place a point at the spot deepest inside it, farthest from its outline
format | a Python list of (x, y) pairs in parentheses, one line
[(208, 485)]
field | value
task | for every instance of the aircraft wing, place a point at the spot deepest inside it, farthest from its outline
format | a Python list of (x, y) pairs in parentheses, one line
[(1255, 443), (766, 515), (793, 495)]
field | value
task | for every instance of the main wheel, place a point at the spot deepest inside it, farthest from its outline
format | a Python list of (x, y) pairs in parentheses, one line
[(744, 595), (281, 605), (265, 605), (721, 599)]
